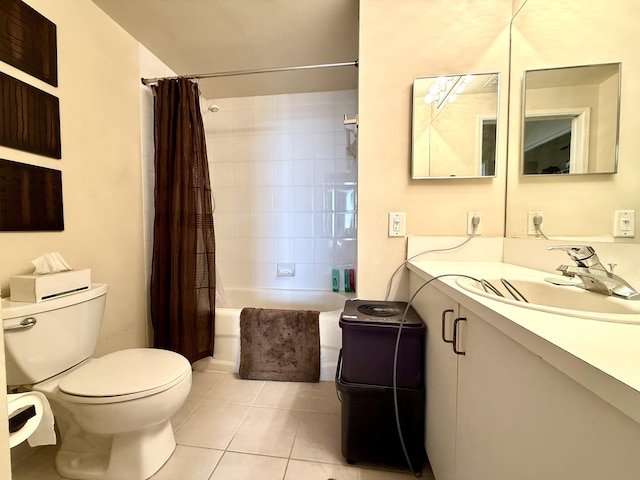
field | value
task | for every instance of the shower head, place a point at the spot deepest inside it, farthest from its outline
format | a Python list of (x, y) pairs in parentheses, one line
[(213, 108)]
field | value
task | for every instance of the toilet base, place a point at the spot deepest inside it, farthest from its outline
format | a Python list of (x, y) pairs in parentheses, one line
[(132, 455)]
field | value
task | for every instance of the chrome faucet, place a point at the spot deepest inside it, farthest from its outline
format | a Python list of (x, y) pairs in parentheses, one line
[(595, 276)]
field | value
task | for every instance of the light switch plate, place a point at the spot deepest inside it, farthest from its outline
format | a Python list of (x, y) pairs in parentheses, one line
[(624, 223), (397, 224)]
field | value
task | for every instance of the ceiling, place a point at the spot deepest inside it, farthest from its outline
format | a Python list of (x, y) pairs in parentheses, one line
[(210, 36)]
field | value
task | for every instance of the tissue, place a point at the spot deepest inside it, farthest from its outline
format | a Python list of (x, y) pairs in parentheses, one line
[(38, 430), (50, 263)]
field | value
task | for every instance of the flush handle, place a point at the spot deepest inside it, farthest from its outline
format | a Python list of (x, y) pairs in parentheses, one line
[(25, 324)]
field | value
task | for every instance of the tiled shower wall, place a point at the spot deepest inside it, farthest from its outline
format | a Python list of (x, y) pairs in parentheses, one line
[(284, 189)]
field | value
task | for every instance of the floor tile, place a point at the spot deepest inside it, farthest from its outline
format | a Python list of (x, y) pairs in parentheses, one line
[(298, 470), (233, 389), (370, 474), (260, 424), (39, 466), (239, 466), (212, 425), (291, 395), (191, 463), (184, 413), (266, 431), (318, 438), (321, 397), (203, 382)]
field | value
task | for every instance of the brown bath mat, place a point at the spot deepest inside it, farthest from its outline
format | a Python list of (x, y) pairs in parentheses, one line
[(280, 345)]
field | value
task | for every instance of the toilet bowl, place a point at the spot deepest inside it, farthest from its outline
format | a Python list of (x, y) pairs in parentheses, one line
[(113, 412)]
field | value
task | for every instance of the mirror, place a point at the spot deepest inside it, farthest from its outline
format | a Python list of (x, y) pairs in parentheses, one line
[(570, 120), (454, 126), (554, 33)]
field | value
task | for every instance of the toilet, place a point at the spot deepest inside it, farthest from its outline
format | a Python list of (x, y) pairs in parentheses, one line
[(113, 412)]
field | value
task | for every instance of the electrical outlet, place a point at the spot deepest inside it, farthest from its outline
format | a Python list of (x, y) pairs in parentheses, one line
[(624, 224), (531, 229), (470, 216)]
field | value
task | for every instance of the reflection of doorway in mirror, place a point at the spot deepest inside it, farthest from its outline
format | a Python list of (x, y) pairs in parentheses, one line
[(556, 143), (488, 137)]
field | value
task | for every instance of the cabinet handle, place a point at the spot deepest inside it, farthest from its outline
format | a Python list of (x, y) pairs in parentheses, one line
[(455, 336), (444, 317)]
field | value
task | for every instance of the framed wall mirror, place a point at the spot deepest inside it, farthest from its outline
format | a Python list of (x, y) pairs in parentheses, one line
[(454, 126), (571, 119), (550, 34)]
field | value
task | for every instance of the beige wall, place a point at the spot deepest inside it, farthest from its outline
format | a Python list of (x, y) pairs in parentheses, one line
[(556, 33), (414, 38), (101, 175)]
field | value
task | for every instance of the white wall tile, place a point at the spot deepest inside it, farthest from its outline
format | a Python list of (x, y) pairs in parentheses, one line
[(284, 186), (323, 146), (302, 199), (303, 172), (303, 146), (283, 172), (323, 172), (303, 225), (303, 250), (323, 198), (283, 199), (222, 174)]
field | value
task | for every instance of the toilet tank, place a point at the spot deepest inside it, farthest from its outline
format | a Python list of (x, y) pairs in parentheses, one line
[(64, 334)]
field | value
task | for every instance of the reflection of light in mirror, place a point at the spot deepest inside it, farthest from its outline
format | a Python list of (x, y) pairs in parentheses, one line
[(445, 89)]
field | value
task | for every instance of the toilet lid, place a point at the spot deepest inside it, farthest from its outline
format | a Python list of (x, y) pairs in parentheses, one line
[(126, 372)]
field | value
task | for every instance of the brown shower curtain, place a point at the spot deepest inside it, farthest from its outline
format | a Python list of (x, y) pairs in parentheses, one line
[(183, 268)]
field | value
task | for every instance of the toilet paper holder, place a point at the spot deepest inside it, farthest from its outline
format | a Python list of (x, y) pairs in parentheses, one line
[(20, 417)]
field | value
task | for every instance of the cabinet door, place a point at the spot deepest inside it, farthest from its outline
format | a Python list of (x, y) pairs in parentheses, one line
[(520, 418), (441, 377)]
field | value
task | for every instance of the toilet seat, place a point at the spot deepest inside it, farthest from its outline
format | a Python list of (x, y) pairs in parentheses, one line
[(124, 375)]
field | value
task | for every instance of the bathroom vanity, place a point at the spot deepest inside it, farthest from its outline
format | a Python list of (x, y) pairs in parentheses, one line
[(516, 392)]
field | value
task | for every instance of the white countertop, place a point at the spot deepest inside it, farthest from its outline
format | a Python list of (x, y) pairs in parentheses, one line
[(603, 356)]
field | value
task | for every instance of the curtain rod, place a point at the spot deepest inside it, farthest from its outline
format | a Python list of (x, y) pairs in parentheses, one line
[(148, 81)]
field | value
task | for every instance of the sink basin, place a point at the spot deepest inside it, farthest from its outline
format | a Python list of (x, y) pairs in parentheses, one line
[(561, 299)]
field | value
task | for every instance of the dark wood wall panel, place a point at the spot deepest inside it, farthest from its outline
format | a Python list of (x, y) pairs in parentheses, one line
[(28, 41), (30, 198), (29, 118)]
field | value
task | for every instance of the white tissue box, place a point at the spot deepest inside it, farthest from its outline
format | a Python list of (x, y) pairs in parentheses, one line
[(36, 288)]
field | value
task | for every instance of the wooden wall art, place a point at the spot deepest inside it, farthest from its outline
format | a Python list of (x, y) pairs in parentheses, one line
[(29, 118), (30, 198), (28, 41)]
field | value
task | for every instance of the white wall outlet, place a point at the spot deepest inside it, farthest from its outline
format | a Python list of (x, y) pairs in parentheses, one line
[(397, 224), (624, 223), (470, 217), (531, 229)]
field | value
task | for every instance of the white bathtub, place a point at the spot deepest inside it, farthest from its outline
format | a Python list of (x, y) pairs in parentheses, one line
[(226, 350)]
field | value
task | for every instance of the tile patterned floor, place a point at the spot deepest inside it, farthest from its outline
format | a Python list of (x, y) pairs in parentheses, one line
[(233, 429)]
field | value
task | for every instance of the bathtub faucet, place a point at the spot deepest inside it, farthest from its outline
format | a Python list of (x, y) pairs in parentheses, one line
[(595, 276)]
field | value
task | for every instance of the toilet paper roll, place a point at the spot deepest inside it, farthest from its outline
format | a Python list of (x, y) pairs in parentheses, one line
[(38, 430)]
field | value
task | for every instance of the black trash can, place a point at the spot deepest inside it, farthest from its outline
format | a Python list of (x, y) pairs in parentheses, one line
[(369, 332), (369, 430)]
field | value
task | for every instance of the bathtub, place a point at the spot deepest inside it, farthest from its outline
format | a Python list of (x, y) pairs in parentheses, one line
[(226, 351)]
